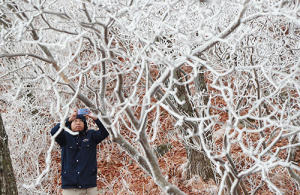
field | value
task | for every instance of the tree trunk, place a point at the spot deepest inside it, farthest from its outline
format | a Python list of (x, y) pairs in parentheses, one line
[(198, 162), (7, 179)]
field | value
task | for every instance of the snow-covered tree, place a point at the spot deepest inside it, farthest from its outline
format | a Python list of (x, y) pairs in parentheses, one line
[(225, 73)]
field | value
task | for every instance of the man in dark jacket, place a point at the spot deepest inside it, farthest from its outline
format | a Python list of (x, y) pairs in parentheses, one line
[(78, 154)]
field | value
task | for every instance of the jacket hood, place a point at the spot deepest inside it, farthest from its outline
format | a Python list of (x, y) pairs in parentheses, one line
[(82, 117)]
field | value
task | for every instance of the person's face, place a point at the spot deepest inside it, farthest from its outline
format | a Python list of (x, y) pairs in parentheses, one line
[(77, 125)]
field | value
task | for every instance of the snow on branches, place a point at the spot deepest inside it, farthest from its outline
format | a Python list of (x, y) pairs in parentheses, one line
[(218, 80)]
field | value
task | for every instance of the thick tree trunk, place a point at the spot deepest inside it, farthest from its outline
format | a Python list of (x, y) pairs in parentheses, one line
[(198, 162), (7, 179)]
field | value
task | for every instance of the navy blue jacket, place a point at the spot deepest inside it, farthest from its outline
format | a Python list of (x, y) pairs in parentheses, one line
[(78, 156)]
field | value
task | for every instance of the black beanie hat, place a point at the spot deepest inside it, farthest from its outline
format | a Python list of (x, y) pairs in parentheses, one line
[(82, 117)]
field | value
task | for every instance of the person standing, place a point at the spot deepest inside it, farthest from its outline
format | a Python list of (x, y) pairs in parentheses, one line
[(78, 154)]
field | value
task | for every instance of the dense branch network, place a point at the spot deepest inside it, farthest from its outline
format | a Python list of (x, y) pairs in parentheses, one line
[(227, 73)]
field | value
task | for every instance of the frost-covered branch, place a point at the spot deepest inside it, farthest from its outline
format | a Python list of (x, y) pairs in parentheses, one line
[(213, 83)]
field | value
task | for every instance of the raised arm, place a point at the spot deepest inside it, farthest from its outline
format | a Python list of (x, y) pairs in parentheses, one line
[(60, 139), (102, 133)]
